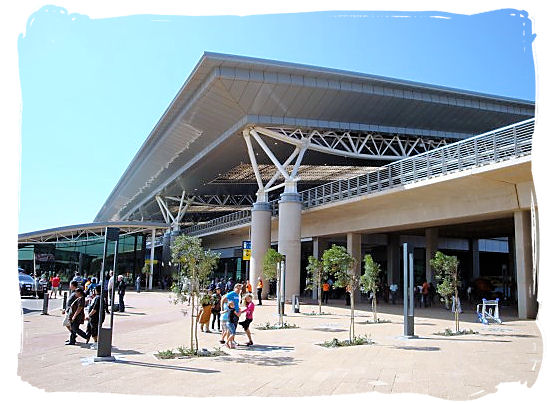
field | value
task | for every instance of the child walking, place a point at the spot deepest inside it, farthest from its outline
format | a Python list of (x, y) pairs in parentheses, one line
[(249, 310)]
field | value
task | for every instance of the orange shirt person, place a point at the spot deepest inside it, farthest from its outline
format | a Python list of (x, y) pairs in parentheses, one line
[(259, 288), (324, 294)]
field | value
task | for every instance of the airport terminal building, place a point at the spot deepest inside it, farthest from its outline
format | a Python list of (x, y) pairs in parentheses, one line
[(301, 157)]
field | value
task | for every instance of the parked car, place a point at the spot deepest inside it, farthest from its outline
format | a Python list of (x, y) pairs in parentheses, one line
[(28, 286)]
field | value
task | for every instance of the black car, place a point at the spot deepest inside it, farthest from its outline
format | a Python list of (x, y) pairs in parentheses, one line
[(27, 286)]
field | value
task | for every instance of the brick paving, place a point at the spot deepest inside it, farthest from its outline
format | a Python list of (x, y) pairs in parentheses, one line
[(286, 362)]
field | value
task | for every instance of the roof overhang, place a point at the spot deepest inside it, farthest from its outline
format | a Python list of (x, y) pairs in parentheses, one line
[(197, 139)]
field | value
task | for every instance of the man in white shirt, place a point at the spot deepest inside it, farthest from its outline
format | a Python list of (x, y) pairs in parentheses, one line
[(111, 287)]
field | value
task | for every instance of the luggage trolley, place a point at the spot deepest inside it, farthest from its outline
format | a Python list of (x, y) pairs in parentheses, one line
[(489, 311)]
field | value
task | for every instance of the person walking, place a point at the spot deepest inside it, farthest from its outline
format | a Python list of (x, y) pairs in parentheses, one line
[(232, 324), (204, 313), (324, 293), (425, 292), (77, 317), (393, 293), (67, 312), (259, 288), (225, 319), (93, 315), (55, 286), (121, 293), (138, 283), (111, 288), (249, 310), (216, 308)]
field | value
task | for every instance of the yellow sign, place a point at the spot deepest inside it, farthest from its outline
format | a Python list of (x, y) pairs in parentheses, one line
[(247, 253)]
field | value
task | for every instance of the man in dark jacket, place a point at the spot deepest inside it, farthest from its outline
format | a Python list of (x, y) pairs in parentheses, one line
[(121, 293), (77, 316)]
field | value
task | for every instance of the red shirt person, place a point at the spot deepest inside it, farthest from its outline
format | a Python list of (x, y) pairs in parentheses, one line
[(55, 285)]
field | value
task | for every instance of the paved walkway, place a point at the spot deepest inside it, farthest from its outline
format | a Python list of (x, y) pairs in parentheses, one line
[(285, 362)]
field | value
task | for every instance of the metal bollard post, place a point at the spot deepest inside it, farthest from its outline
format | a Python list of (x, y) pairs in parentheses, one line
[(64, 300), (45, 305)]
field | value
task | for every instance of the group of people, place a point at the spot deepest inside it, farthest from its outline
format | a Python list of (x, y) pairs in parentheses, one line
[(86, 297), (227, 309)]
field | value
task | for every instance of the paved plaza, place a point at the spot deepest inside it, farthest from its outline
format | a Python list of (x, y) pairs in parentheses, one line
[(286, 362)]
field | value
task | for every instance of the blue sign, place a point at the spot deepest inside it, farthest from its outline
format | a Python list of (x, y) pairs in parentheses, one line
[(247, 245)]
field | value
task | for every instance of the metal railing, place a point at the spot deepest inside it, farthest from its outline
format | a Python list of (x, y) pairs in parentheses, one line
[(512, 141), (492, 147)]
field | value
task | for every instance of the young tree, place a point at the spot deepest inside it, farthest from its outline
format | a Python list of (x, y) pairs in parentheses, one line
[(316, 274), (272, 270), (338, 262), (195, 268), (445, 268), (370, 280)]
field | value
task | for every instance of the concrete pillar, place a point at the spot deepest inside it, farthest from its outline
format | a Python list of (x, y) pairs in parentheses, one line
[(152, 259), (260, 237), (476, 272), (319, 247), (290, 225), (432, 240), (354, 249), (527, 299), (394, 259)]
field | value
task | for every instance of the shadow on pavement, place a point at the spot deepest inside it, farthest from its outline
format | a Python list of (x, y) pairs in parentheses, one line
[(168, 367), (418, 348), (125, 351), (260, 360), (460, 339), (268, 348), (327, 329)]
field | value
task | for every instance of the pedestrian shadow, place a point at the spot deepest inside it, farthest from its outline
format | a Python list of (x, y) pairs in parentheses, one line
[(418, 348), (269, 348), (328, 329), (260, 360), (167, 367)]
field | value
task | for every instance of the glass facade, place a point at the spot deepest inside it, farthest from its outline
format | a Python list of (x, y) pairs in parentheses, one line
[(84, 257)]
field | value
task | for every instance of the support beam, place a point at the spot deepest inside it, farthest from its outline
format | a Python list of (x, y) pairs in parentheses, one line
[(290, 218), (432, 241), (354, 249), (394, 259), (152, 259), (527, 297), (260, 237), (476, 271)]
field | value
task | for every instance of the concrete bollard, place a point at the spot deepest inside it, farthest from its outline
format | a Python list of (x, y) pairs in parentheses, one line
[(45, 303)]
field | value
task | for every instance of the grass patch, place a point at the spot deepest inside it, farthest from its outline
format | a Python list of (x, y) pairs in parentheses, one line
[(336, 343), (183, 352), (450, 333), (315, 313), (275, 326)]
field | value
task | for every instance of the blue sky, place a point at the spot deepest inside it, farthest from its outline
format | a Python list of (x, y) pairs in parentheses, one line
[(92, 90)]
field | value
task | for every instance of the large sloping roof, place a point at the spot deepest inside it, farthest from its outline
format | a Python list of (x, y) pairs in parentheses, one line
[(195, 140)]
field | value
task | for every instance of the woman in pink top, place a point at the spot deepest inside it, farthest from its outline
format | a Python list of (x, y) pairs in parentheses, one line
[(248, 310)]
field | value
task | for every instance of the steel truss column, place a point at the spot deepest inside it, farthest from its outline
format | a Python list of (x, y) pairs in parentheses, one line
[(290, 210)]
